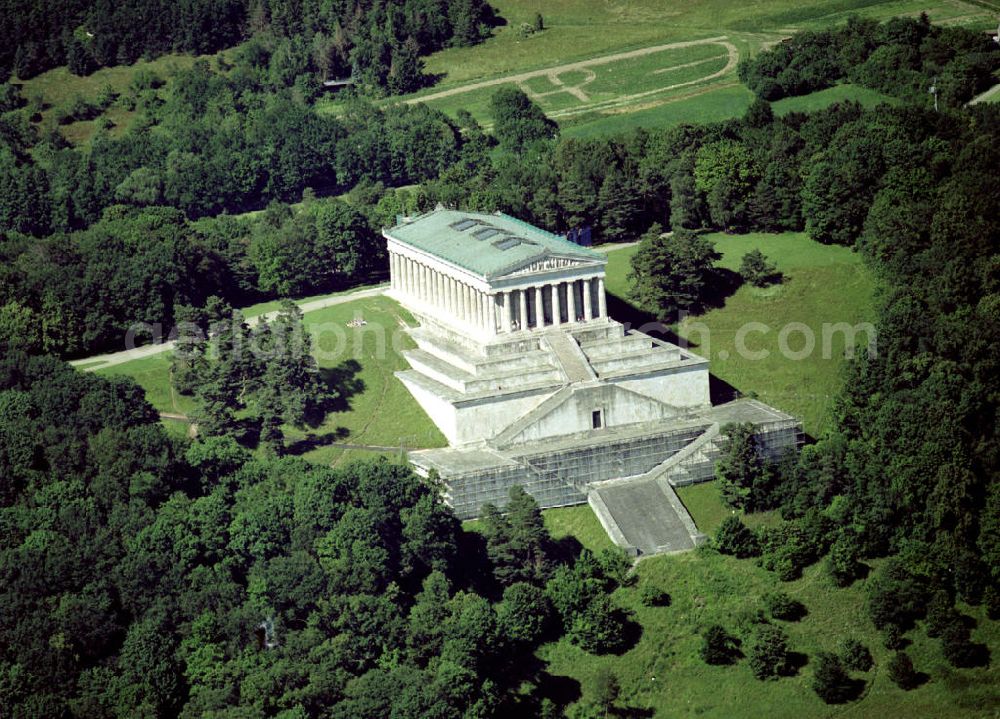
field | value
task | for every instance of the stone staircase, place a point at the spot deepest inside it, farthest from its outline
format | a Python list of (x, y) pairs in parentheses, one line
[(507, 435), (696, 462), (574, 362)]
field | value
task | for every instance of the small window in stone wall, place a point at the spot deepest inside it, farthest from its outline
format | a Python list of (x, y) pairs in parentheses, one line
[(596, 419)]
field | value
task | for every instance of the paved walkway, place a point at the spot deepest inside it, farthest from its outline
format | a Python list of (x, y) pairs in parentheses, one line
[(115, 358)]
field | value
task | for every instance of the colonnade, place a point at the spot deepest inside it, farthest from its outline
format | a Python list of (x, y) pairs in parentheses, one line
[(511, 310)]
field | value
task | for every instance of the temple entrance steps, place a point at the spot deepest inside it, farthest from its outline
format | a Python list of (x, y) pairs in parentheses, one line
[(574, 362), (643, 514), (684, 467), (644, 517)]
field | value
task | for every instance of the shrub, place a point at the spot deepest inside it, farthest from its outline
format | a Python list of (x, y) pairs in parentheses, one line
[(747, 621), (843, 563), (940, 613), (735, 538), (959, 649), (892, 637), (855, 655), (718, 646), (991, 598), (782, 606), (599, 628), (758, 270), (901, 671), (832, 682), (769, 654), (652, 596)]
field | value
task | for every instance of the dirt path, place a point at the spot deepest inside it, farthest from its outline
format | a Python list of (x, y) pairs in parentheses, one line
[(582, 65), (115, 358)]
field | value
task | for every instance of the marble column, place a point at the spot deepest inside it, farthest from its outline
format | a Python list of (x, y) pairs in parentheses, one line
[(556, 305), (571, 301), (504, 306), (466, 304), (408, 274), (602, 303), (523, 308), (489, 314), (475, 306), (539, 307), (588, 305)]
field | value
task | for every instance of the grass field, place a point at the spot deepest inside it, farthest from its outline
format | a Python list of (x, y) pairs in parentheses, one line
[(598, 97), (58, 87), (377, 411), (663, 676), (823, 285)]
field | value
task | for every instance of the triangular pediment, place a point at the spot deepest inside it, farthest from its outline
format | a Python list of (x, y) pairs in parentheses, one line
[(548, 263)]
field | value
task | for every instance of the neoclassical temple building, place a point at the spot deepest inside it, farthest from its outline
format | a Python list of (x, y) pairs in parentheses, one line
[(520, 366)]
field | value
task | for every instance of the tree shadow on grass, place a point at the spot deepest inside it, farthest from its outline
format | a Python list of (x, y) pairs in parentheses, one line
[(630, 635), (561, 691), (796, 661), (343, 384), (564, 550), (627, 712), (722, 285), (313, 441)]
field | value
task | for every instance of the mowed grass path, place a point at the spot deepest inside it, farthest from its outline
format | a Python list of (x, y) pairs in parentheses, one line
[(578, 30), (823, 286), (378, 411)]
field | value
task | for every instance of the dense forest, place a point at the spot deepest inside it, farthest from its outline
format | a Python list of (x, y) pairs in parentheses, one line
[(143, 576), (377, 42), (905, 57)]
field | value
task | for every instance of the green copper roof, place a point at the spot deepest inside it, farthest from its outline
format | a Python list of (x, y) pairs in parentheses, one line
[(488, 245)]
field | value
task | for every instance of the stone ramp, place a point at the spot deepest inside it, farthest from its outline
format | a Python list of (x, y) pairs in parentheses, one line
[(644, 516), (570, 356)]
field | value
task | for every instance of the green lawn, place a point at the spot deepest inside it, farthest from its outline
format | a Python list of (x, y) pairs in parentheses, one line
[(58, 87), (824, 98), (578, 30), (823, 286), (153, 375), (704, 503), (579, 522), (379, 410), (664, 673)]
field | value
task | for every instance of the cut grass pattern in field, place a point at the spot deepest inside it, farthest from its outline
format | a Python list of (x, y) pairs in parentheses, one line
[(823, 286), (579, 31), (601, 82)]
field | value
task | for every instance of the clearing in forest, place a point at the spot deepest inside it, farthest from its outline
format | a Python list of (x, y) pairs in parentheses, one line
[(603, 83)]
